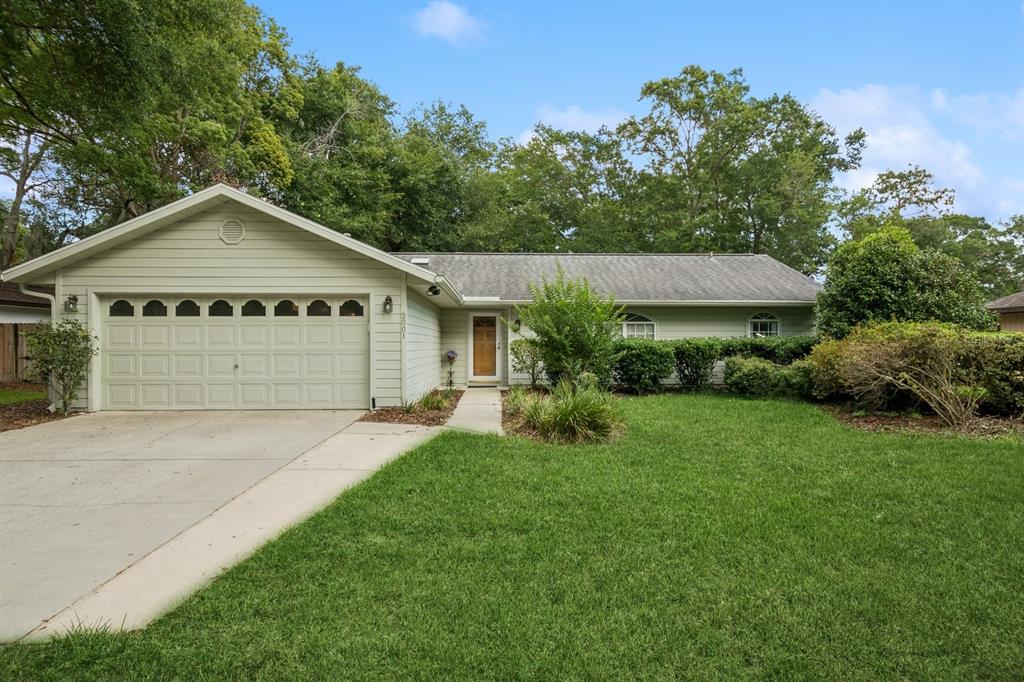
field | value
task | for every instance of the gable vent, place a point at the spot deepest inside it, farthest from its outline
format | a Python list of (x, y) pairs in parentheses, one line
[(420, 261), (232, 231)]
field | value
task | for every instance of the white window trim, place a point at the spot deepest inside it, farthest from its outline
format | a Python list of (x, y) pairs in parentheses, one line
[(646, 321), (774, 318)]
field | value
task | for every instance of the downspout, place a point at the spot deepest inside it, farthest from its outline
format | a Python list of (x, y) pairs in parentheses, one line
[(23, 288)]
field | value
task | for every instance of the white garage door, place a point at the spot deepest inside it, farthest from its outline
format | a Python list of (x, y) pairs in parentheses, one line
[(185, 352)]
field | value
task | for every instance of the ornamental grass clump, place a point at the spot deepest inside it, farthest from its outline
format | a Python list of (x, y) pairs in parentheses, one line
[(573, 413)]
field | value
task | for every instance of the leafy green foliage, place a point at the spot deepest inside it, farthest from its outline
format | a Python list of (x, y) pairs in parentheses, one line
[(60, 356), (574, 327), (435, 400), (885, 276), (695, 360), (642, 365), (525, 355), (996, 361), (757, 377), (779, 349), (572, 413)]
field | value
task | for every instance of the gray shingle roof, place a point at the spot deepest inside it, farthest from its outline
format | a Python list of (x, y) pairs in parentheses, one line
[(630, 277), (1007, 304)]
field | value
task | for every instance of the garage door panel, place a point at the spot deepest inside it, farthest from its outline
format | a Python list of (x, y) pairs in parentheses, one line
[(234, 361), (253, 365), (155, 396), (155, 336), (220, 396), (188, 336), (253, 336), (287, 335), (122, 396), (120, 336), (188, 396), (188, 365), (119, 365), (220, 336)]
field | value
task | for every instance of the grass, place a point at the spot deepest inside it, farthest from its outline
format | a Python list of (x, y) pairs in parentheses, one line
[(719, 538), (18, 394)]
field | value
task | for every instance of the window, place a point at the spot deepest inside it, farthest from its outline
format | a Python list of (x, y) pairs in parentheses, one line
[(122, 308), (254, 308), (318, 308), (286, 308), (637, 327), (221, 308), (351, 308), (763, 324), (186, 308), (154, 308)]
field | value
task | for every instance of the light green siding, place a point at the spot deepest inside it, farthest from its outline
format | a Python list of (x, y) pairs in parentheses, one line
[(423, 347), (454, 330), (274, 257)]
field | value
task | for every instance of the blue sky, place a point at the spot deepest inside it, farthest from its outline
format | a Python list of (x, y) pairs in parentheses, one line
[(937, 84)]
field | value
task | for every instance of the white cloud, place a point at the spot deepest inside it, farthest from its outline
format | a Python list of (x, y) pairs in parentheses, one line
[(449, 22), (985, 112), (574, 117), (901, 131)]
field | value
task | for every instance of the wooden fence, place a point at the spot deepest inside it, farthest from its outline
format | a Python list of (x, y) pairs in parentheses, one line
[(14, 366)]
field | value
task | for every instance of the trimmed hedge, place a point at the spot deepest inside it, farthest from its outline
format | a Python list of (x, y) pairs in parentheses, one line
[(997, 360), (760, 378), (643, 364), (695, 360), (782, 350)]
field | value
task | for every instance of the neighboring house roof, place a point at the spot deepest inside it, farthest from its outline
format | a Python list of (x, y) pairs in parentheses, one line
[(10, 295), (1014, 303), (631, 277)]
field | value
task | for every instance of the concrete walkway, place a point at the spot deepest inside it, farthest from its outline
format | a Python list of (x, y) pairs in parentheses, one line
[(292, 493), (478, 410)]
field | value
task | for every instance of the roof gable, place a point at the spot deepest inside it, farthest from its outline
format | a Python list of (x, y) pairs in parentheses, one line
[(188, 206)]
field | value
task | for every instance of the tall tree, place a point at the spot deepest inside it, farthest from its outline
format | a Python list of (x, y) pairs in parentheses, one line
[(135, 102), (726, 171)]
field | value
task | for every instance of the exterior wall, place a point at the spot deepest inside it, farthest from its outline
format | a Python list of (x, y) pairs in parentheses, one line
[(423, 347), (189, 257), (454, 328), (689, 321), (1011, 322)]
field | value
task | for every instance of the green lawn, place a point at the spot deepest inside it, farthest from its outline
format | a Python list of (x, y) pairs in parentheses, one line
[(17, 394), (721, 538)]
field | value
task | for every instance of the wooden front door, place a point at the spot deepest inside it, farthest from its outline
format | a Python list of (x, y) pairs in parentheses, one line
[(485, 346)]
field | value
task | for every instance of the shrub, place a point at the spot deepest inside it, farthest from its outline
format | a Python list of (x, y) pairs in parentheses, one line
[(695, 360), (575, 328), (885, 276), (515, 400), (824, 364), (643, 364), (526, 359), (781, 350), (762, 378), (573, 414), (924, 359), (997, 361), (61, 353), (435, 400)]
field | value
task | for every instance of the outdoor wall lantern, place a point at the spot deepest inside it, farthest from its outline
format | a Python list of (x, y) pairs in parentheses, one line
[(433, 290), (388, 305), (71, 304)]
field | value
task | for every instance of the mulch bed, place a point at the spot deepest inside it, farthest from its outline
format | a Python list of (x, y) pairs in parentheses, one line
[(28, 413), (398, 415), (980, 427)]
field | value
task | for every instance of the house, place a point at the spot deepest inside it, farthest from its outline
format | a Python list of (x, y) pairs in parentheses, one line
[(223, 301), (21, 308), (1010, 310)]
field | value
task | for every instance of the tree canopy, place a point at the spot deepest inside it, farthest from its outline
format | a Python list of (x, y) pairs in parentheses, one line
[(110, 108)]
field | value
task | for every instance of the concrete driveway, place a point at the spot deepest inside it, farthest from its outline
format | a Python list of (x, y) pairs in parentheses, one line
[(84, 498)]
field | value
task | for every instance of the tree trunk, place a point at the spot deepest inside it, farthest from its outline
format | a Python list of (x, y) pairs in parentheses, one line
[(28, 163)]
